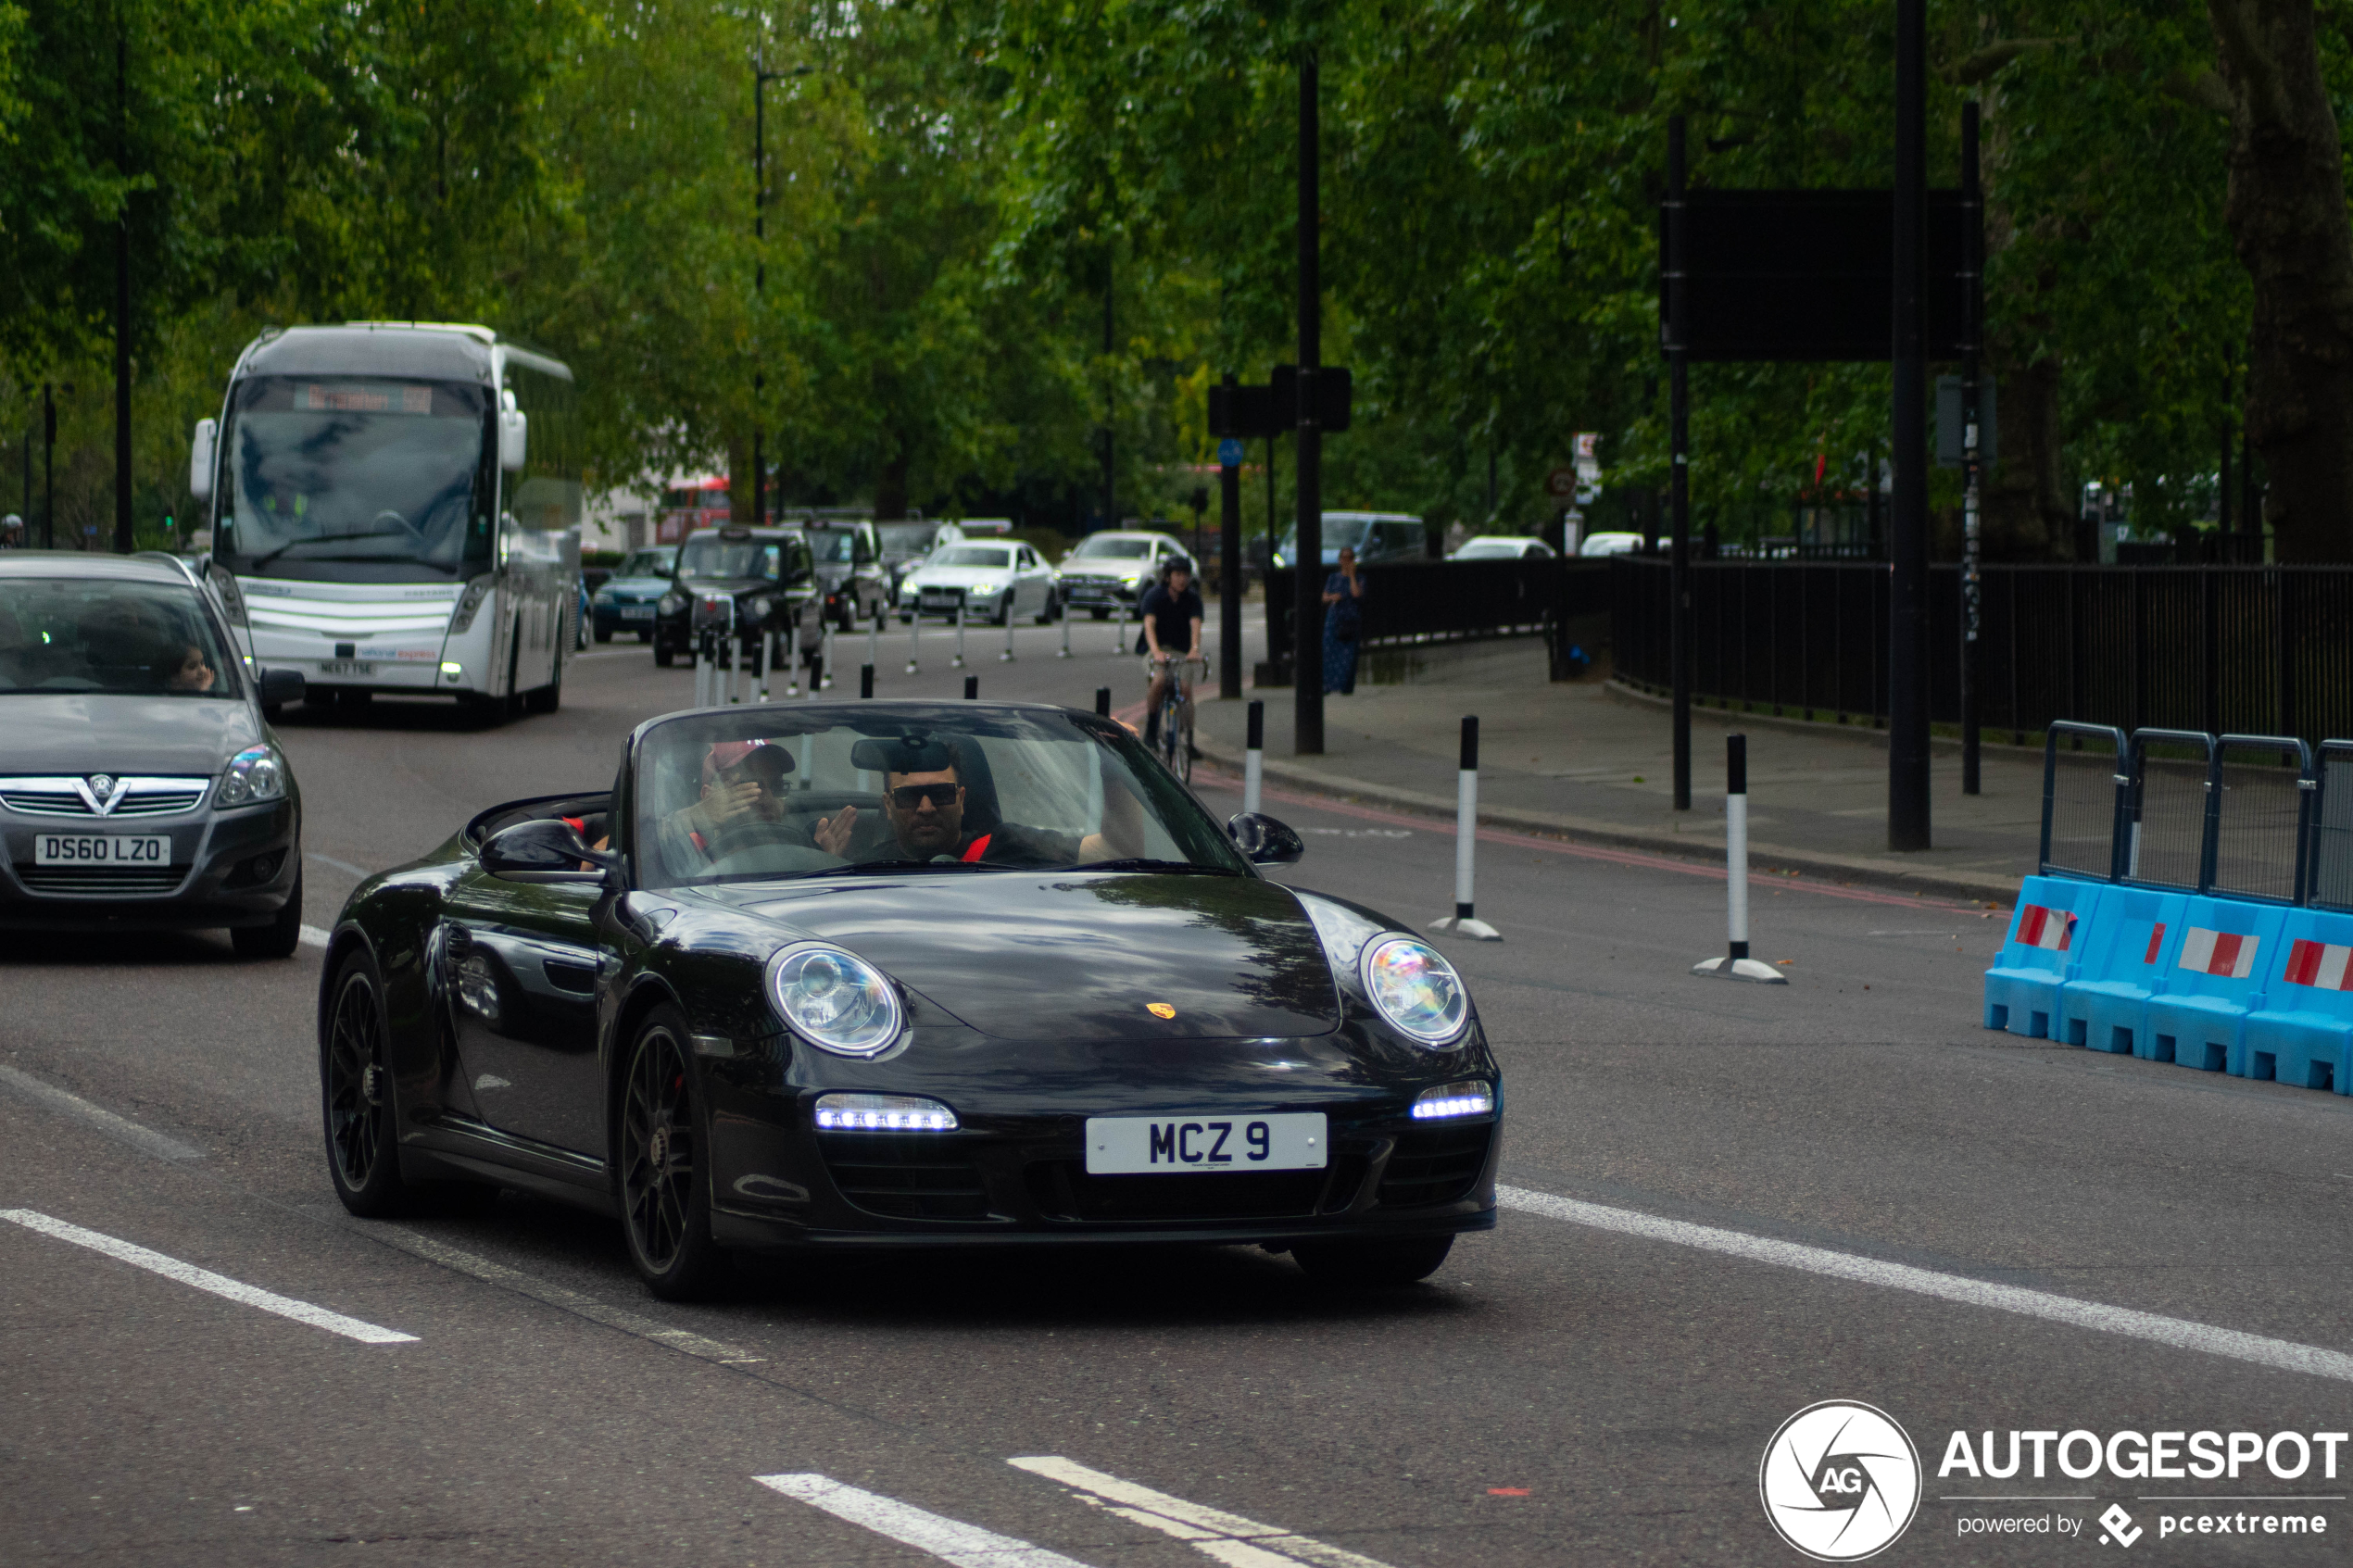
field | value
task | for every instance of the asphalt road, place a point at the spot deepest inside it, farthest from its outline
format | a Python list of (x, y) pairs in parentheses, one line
[(1729, 1202)]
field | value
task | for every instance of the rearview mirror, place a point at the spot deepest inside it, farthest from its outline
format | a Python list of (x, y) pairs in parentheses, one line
[(545, 851), (282, 686), (514, 430), (1263, 840), (200, 460)]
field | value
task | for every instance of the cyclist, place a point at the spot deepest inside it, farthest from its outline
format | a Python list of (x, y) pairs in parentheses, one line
[(1172, 613)]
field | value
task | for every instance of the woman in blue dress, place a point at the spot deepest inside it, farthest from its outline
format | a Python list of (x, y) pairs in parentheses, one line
[(1343, 625)]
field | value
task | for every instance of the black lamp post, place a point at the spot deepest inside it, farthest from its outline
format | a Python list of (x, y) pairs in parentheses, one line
[(761, 77)]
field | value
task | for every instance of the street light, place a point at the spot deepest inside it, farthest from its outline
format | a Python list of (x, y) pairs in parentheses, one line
[(761, 77)]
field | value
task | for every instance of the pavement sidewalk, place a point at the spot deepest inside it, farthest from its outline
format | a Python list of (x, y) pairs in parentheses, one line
[(1591, 760)]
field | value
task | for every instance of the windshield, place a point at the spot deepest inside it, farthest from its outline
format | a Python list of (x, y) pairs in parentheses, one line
[(974, 555), (70, 635), (1112, 549), (342, 478), (840, 788), (1492, 548), (833, 546), (1339, 533), (728, 558), (908, 539), (648, 563)]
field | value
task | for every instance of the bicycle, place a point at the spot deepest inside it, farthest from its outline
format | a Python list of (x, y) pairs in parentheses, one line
[(1177, 712)]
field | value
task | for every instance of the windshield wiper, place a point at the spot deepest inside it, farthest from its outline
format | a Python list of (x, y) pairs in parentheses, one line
[(333, 539), (1140, 864)]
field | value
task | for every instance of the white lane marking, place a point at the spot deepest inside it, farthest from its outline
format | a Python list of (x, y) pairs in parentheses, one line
[(950, 1540), (572, 1301), (1228, 1538), (206, 1280), (315, 936), (333, 864), (144, 1139), (2282, 1354)]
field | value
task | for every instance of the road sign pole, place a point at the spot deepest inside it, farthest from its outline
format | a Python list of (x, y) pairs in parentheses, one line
[(1972, 449), (1229, 566), (1679, 419), (1908, 754), (1307, 636)]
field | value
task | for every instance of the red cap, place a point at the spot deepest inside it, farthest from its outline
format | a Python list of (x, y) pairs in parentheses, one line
[(729, 754)]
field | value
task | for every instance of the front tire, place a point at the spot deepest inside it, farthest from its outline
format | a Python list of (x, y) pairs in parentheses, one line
[(1052, 610), (662, 655), (664, 1188), (602, 636), (1372, 1264), (280, 937), (1099, 613), (355, 1097)]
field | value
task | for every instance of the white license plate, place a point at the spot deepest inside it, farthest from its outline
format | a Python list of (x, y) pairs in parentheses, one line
[(346, 666), (636, 612), (100, 849), (1126, 1146)]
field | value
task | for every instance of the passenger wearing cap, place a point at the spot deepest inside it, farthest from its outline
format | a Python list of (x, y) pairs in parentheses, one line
[(742, 789), (923, 800)]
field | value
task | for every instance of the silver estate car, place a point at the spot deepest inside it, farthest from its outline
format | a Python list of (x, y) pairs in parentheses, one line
[(140, 785)]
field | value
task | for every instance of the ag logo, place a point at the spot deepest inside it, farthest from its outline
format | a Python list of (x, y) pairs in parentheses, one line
[(1840, 1481)]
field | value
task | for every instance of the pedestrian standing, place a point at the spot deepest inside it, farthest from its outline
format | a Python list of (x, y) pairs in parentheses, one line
[(1343, 625)]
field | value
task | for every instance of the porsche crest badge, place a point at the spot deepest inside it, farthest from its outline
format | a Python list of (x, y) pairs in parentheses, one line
[(1160, 1009)]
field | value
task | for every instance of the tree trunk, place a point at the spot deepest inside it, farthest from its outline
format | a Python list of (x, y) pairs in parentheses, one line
[(890, 490), (2286, 212), (739, 476), (2028, 514)]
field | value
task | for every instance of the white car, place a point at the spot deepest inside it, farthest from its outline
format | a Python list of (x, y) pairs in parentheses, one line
[(1110, 571), (1610, 545), (1503, 546), (991, 581)]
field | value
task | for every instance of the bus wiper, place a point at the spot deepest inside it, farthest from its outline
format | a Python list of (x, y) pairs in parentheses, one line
[(1175, 867)]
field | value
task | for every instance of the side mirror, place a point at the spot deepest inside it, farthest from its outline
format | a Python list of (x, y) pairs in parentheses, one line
[(514, 430), (282, 686), (200, 460), (545, 851), (1263, 840)]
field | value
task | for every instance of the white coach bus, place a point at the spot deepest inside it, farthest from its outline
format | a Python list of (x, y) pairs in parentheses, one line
[(395, 509)]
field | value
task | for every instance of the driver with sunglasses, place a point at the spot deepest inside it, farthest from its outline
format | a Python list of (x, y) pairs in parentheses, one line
[(926, 811)]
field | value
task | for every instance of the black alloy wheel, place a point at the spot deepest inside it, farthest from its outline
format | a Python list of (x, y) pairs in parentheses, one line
[(665, 1204), (355, 1084), (1356, 1264)]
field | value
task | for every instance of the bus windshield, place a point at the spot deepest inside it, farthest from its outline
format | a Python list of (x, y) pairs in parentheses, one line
[(346, 479)]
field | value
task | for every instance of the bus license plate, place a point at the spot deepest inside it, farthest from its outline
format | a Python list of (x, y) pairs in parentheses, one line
[(1126, 1146), (346, 666), (100, 849)]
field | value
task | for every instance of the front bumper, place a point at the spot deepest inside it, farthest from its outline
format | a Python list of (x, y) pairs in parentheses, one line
[(610, 618), (228, 869), (1093, 593)]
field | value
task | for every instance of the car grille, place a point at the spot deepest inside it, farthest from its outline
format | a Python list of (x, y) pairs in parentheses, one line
[(905, 1178), (144, 797), (1064, 1191), (121, 881), (1435, 1165)]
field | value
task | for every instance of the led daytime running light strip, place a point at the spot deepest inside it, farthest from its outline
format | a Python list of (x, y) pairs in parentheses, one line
[(1455, 1100), (883, 1113)]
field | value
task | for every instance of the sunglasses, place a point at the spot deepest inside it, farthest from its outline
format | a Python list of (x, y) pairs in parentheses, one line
[(910, 798)]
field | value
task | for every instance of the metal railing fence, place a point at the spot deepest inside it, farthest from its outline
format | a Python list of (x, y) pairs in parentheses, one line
[(1440, 601), (2244, 816), (2220, 649)]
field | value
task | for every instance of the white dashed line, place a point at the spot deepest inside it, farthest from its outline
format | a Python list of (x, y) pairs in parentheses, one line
[(206, 1280), (142, 1138), (315, 936), (950, 1540), (2283, 1355), (334, 865), (1227, 1538)]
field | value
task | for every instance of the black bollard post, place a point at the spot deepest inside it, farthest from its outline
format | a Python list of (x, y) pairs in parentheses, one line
[(1103, 702), (866, 681), (972, 688)]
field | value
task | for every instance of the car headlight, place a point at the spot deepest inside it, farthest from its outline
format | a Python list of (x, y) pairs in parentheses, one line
[(672, 603), (1416, 990), (759, 608), (253, 775), (835, 1000), (602, 597), (984, 589)]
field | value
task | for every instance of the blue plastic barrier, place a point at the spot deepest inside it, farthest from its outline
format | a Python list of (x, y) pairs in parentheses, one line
[(2303, 1034), (2125, 956), (2215, 973), (2045, 949)]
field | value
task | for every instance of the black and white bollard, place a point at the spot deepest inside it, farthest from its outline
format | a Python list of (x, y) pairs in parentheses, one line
[(1737, 964), (1254, 755), (824, 663), (874, 639), (1461, 923), (697, 647), (1061, 613), (958, 663), (1103, 702), (816, 675), (760, 664), (972, 688), (915, 637), (1007, 657), (866, 682)]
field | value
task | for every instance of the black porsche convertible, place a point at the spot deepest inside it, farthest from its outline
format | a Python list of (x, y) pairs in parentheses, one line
[(893, 973)]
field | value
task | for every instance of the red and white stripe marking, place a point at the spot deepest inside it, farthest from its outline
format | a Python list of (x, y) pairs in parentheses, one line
[(2052, 929), (2156, 940), (2218, 952), (2322, 965)]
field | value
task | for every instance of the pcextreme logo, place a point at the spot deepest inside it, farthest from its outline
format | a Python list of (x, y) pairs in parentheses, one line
[(1840, 1481)]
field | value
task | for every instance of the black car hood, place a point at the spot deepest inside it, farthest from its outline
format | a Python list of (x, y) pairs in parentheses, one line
[(1078, 956), (86, 732)]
